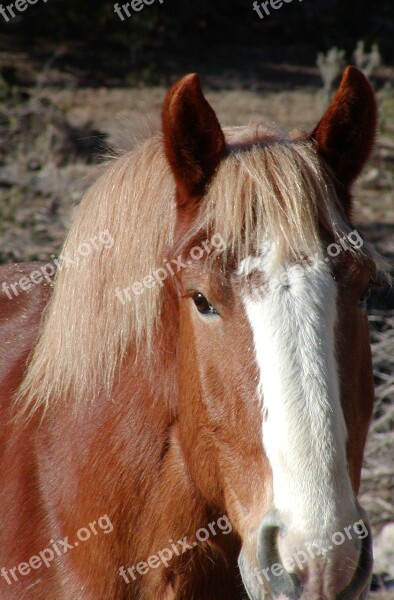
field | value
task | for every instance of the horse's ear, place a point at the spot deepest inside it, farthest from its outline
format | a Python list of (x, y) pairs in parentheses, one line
[(346, 133), (193, 139)]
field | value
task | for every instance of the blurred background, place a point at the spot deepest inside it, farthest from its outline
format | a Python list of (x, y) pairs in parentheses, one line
[(78, 78)]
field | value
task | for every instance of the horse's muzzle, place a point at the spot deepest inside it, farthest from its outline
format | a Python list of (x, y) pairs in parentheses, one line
[(315, 579)]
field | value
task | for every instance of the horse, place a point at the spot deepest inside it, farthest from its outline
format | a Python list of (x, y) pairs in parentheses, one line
[(184, 414)]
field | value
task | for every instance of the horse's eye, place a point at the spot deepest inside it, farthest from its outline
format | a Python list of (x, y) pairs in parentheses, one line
[(364, 296), (202, 305)]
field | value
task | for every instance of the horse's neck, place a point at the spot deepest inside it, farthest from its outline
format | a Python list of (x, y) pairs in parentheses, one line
[(20, 317)]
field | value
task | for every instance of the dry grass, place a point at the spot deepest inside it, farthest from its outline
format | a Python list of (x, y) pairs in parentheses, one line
[(378, 472)]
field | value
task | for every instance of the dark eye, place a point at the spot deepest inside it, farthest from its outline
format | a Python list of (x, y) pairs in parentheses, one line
[(202, 305), (364, 296)]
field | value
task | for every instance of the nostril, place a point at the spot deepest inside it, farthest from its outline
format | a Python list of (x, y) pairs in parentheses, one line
[(284, 584)]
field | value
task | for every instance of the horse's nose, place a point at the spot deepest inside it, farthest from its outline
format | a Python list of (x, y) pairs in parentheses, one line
[(331, 574)]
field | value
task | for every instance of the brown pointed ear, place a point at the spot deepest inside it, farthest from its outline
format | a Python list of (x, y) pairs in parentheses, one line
[(346, 133), (193, 139)]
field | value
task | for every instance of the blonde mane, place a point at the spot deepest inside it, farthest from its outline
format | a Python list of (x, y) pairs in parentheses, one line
[(266, 185)]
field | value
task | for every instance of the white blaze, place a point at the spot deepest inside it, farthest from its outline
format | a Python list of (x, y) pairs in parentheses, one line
[(304, 431)]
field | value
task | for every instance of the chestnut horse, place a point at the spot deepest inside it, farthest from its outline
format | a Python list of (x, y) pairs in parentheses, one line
[(183, 415)]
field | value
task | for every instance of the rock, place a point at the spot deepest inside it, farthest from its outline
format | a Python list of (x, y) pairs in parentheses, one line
[(384, 557)]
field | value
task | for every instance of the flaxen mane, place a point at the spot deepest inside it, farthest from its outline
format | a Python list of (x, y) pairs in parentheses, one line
[(265, 186)]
